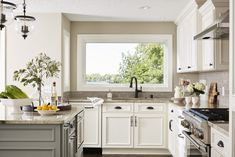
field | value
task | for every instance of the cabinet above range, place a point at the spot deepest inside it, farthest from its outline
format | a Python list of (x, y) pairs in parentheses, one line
[(200, 55)]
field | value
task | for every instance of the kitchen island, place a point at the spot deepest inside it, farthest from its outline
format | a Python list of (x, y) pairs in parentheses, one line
[(29, 134)]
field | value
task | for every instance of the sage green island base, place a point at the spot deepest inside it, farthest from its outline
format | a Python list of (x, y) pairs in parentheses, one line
[(34, 135)]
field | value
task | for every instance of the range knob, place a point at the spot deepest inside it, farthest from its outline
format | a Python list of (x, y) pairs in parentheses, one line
[(198, 133), (185, 124)]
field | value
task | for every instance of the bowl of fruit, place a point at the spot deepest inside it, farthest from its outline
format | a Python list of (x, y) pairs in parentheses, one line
[(46, 110)]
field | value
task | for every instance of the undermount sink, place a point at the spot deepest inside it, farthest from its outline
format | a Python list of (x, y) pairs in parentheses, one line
[(134, 98)]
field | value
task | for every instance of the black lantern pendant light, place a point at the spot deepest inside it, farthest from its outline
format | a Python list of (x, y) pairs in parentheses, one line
[(7, 15), (24, 23)]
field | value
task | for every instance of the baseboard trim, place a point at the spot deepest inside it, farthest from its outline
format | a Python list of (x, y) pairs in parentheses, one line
[(135, 151), (92, 150)]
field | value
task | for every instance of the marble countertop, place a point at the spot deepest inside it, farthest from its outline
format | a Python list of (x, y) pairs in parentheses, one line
[(123, 100), (222, 127), (35, 118)]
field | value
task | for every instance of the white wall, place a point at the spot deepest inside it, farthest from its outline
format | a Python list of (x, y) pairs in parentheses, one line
[(46, 38), (65, 53), (2, 60)]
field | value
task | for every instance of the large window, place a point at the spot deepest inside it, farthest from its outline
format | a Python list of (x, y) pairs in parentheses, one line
[(109, 61), (2, 60)]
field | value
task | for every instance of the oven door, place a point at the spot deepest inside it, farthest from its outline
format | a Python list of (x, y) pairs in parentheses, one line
[(196, 148)]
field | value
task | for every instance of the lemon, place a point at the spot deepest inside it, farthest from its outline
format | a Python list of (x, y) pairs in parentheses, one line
[(54, 107), (44, 108), (39, 108)]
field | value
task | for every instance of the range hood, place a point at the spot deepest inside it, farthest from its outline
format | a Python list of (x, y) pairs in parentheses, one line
[(218, 30)]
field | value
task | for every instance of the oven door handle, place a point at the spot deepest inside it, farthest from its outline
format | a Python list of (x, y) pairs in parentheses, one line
[(195, 143)]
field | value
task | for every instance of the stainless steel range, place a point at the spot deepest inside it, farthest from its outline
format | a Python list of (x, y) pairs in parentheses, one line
[(198, 130)]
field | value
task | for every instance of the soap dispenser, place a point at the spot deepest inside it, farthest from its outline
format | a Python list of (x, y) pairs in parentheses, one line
[(109, 95)]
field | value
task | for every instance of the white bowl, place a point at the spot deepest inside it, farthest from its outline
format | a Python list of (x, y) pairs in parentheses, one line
[(47, 112), (14, 104)]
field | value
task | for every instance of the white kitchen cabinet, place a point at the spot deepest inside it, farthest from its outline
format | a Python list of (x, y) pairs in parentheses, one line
[(117, 130), (171, 129), (136, 125), (148, 135), (219, 143), (176, 139), (188, 49), (92, 125), (215, 53), (214, 153)]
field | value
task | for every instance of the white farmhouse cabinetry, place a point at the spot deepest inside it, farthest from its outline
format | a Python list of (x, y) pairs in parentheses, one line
[(117, 130), (219, 144), (150, 125), (92, 125), (200, 55), (215, 53), (134, 125), (171, 129), (188, 49), (176, 140)]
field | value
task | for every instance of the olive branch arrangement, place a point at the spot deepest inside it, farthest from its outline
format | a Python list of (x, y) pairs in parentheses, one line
[(36, 71)]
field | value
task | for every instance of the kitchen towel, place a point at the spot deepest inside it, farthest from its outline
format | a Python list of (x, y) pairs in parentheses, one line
[(96, 101)]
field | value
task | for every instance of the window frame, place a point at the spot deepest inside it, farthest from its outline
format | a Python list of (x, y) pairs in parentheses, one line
[(82, 39), (2, 59)]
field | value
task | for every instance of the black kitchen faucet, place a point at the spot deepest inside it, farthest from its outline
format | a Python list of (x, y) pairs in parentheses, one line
[(136, 86)]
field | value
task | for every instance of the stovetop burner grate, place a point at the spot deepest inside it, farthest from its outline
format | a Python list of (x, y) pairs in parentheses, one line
[(211, 114)]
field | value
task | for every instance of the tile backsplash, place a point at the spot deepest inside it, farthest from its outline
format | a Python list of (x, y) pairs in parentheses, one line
[(102, 94), (222, 79)]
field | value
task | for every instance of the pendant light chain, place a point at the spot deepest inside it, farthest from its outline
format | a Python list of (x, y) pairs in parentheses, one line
[(24, 8), (24, 22)]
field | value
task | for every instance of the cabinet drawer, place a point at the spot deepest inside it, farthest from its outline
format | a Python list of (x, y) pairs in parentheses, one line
[(118, 107), (219, 142), (150, 107)]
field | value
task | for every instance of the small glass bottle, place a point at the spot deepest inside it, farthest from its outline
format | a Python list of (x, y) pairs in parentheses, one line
[(54, 98)]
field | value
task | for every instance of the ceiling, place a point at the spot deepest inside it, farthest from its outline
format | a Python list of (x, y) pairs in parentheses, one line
[(109, 10)]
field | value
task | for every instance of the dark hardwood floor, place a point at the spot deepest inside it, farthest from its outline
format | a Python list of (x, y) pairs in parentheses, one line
[(116, 155)]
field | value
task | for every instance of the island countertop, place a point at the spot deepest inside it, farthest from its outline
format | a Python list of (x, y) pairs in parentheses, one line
[(35, 118)]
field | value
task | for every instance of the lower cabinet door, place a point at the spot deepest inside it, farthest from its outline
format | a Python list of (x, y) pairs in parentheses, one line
[(214, 153), (92, 127), (149, 131), (117, 130)]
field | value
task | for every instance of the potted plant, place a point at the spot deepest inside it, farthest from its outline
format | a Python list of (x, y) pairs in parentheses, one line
[(195, 90), (36, 71)]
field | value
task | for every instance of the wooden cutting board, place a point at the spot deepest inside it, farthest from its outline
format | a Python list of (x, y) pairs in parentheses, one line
[(213, 93)]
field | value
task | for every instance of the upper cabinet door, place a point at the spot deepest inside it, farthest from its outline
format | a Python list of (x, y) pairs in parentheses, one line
[(200, 55), (215, 53), (188, 50)]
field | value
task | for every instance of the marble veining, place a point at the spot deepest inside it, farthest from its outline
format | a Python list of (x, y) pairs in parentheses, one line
[(35, 118), (222, 127)]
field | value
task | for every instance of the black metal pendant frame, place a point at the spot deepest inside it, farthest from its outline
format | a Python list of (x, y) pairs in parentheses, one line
[(24, 17), (7, 5)]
